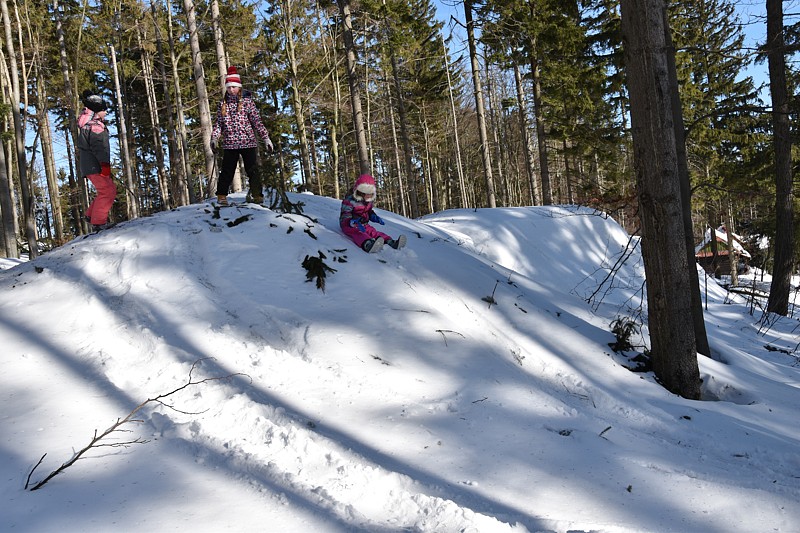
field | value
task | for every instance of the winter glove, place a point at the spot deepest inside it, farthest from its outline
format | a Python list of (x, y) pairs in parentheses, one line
[(356, 223), (268, 143), (213, 145), (105, 169), (376, 219)]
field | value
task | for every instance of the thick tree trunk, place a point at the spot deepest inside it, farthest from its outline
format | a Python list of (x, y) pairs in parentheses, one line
[(673, 348), (476, 84), (782, 141), (698, 318)]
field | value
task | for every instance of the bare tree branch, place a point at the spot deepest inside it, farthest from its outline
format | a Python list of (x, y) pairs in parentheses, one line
[(95, 442)]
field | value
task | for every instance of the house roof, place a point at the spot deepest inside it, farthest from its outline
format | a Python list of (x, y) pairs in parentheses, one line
[(722, 237)]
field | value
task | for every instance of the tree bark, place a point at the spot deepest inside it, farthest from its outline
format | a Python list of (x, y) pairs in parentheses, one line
[(46, 136), (782, 141), (734, 270), (155, 122), (526, 136), (698, 318), (355, 94), (28, 200), (7, 209), (297, 100), (178, 191), (127, 168), (193, 187), (459, 166), (403, 118), (77, 183), (202, 98), (219, 45), (672, 339), (476, 84)]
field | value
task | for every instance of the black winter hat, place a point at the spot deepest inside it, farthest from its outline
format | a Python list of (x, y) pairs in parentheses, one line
[(93, 101)]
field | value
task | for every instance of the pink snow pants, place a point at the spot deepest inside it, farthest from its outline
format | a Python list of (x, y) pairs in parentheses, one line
[(359, 236), (101, 205)]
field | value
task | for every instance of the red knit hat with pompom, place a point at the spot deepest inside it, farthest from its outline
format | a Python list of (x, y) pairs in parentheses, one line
[(233, 79)]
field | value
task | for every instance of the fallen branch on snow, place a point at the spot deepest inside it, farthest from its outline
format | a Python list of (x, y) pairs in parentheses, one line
[(115, 427)]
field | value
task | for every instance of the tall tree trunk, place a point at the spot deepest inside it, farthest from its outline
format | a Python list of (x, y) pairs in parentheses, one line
[(179, 193), (10, 248), (476, 84), (79, 196), (297, 100), (406, 142), (782, 141), (49, 160), (673, 348), (396, 152), (155, 122), (454, 116), (355, 94), (698, 318), (541, 134), (734, 270), (28, 200), (202, 97), (332, 64), (335, 128), (194, 188), (712, 226), (74, 190), (127, 168), (526, 136), (219, 45), (491, 99)]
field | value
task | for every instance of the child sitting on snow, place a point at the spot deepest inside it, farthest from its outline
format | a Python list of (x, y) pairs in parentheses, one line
[(357, 213)]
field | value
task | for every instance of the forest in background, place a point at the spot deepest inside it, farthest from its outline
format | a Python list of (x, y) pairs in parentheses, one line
[(533, 111)]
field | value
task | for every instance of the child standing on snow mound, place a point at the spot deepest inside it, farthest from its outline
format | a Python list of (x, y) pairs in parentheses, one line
[(357, 214), (236, 127)]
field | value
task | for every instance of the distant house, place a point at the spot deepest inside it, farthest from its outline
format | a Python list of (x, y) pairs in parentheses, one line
[(705, 256)]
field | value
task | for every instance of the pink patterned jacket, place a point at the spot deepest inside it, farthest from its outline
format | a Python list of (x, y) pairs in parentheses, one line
[(238, 122)]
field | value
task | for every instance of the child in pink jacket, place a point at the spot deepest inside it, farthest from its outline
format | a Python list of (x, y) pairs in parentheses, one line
[(357, 213)]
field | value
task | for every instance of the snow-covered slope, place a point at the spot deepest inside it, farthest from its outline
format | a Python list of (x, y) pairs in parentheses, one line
[(463, 383)]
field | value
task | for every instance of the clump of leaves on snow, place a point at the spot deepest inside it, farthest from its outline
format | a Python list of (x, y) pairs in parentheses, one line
[(317, 269)]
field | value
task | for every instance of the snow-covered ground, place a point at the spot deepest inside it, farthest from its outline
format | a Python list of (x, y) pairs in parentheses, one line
[(464, 383)]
